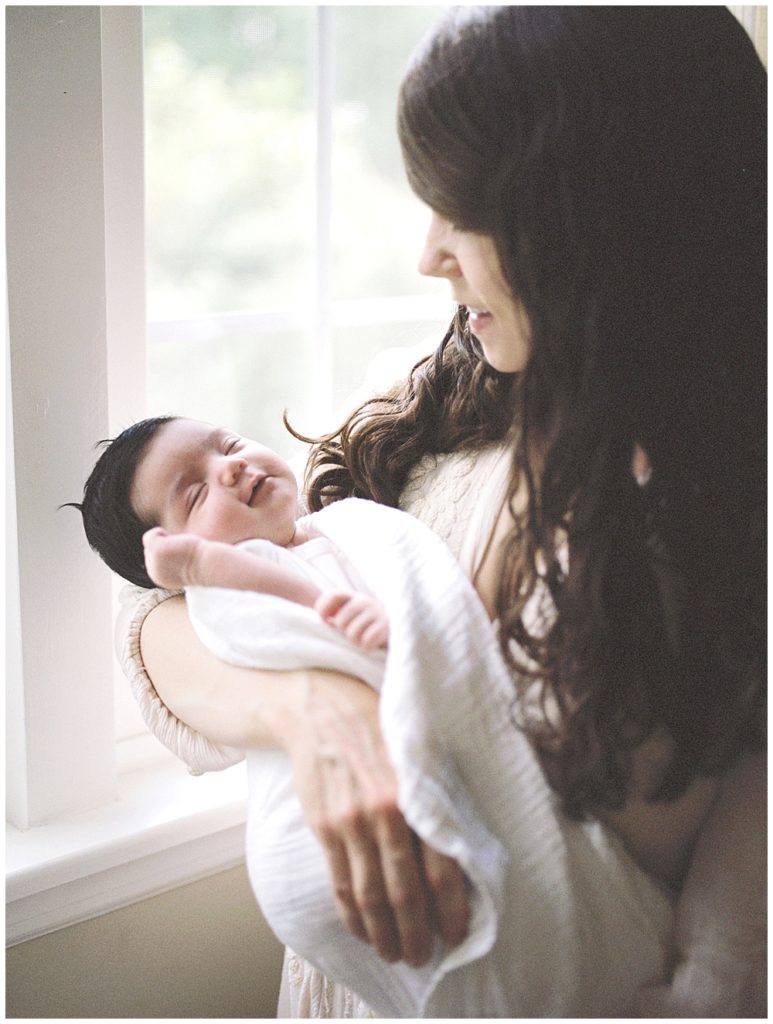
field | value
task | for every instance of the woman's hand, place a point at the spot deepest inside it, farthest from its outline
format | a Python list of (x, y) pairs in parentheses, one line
[(390, 889)]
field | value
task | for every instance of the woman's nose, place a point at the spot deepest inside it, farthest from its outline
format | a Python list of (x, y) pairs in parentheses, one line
[(437, 258), (230, 469)]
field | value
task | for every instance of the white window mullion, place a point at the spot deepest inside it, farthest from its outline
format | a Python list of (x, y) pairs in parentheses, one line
[(322, 311), (123, 132)]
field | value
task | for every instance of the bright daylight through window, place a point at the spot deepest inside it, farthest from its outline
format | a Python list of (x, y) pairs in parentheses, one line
[(282, 239)]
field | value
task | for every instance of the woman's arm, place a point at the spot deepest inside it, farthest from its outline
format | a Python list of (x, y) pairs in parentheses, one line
[(222, 702), (389, 890)]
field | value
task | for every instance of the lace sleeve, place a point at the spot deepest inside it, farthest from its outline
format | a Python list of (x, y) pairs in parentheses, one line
[(198, 753)]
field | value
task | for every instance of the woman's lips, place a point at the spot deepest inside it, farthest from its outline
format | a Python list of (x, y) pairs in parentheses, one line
[(478, 319)]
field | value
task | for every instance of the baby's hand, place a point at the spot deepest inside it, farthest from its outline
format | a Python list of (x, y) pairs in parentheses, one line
[(358, 616), (170, 558)]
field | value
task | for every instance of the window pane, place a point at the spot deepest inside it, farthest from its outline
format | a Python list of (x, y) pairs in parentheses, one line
[(378, 225), (229, 157), (244, 379), (232, 213)]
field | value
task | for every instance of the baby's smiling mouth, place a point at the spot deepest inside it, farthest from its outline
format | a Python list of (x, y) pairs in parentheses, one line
[(255, 491)]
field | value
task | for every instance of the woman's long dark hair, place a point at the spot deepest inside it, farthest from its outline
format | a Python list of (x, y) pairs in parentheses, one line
[(618, 158)]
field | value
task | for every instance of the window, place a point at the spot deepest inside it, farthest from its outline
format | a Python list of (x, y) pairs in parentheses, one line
[(281, 237), (83, 839)]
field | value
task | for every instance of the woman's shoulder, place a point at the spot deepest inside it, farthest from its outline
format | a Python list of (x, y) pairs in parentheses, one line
[(443, 490)]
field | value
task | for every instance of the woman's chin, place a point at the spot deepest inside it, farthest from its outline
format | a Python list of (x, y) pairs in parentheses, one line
[(503, 362), (506, 355)]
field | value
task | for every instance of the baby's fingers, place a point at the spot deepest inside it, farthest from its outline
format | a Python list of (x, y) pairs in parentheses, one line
[(369, 630), (328, 605), (343, 611), (375, 635), (353, 625)]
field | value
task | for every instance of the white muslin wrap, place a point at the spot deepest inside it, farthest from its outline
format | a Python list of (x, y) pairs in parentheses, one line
[(563, 922)]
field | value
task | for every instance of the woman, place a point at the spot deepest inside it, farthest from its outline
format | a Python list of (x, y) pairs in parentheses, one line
[(597, 183)]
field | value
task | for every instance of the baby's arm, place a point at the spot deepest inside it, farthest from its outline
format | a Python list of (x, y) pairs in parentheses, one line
[(359, 617), (184, 560), (177, 560)]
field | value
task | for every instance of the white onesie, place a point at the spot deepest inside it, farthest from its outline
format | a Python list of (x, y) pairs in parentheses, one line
[(246, 628)]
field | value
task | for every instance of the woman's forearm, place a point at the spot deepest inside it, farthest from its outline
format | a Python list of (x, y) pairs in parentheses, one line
[(389, 890), (235, 706)]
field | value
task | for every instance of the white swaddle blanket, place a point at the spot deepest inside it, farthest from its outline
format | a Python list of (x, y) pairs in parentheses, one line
[(563, 923)]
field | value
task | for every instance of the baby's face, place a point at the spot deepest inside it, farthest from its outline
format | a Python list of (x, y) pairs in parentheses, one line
[(195, 478)]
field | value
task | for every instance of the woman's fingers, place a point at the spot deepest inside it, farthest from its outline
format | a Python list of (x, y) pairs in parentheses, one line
[(398, 892), (405, 886), (449, 891), (343, 890), (393, 886), (371, 896), (355, 782), (388, 888)]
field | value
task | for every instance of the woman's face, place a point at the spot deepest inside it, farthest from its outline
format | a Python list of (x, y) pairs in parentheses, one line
[(470, 262)]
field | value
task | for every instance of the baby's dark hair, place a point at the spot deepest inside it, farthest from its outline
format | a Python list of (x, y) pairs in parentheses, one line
[(113, 528)]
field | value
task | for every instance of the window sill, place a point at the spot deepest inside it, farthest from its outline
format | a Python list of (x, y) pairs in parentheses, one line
[(166, 828)]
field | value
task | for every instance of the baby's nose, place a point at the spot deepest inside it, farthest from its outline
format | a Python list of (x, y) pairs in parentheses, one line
[(232, 468)]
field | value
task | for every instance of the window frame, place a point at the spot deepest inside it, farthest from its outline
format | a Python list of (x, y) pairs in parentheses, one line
[(89, 831), (81, 839), (58, 350)]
